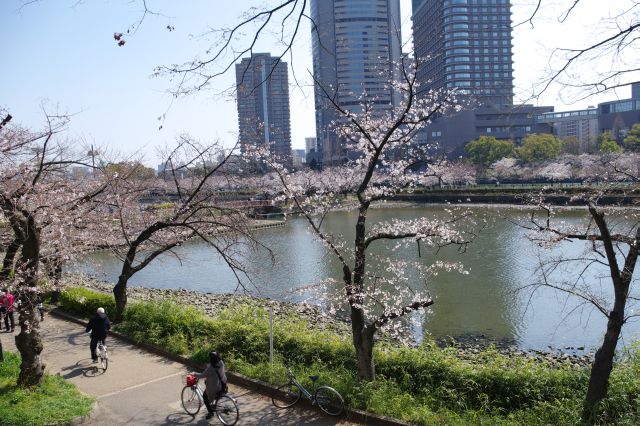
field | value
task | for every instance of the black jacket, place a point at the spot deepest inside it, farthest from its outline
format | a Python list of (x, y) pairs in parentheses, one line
[(99, 326)]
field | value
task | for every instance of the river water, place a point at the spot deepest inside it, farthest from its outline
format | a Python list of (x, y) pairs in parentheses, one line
[(489, 301)]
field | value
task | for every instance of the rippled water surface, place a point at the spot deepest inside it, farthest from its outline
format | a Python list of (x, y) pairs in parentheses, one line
[(487, 301)]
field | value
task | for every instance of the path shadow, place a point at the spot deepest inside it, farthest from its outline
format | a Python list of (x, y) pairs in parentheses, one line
[(72, 338), (183, 418), (84, 367)]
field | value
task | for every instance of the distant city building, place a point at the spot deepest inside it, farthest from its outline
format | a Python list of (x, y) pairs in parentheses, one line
[(310, 144), (585, 125), (298, 157), (356, 47), (167, 171), (313, 154), (580, 124), (263, 104), (79, 172), (509, 122), (619, 116)]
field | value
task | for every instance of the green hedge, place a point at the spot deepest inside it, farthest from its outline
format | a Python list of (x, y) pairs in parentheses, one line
[(425, 385), (84, 302)]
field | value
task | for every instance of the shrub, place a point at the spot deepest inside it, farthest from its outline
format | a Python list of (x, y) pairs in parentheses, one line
[(84, 302)]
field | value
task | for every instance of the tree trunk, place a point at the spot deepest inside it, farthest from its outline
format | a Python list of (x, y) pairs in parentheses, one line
[(602, 366), (363, 344), (120, 295), (29, 344), (621, 279), (28, 341), (361, 334), (9, 257)]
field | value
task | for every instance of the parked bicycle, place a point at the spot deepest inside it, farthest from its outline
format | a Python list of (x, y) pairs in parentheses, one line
[(328, 399), (224, 405), (103, 356)]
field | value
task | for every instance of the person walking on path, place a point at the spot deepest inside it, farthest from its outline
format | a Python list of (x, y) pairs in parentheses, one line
[(7, 301), (215, 380), (99, 327), (40, 305)]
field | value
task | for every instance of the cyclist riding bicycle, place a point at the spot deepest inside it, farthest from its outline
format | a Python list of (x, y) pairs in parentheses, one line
[(215, 380), (99, 326)]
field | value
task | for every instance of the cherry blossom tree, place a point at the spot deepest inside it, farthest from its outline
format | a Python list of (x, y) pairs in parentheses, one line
[(190, 184), (611, 239), (42, 207), (444, 172), (377, 289), (598, 63)]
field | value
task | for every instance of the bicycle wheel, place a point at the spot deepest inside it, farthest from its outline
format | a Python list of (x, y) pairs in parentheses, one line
[(190, 400), (286, 395), (329, 400), (104, 359), (226, 410)]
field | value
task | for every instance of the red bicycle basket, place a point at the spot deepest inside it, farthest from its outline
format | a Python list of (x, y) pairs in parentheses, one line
[(191, 380)]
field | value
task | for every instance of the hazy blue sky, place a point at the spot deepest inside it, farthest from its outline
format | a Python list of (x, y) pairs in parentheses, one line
[(62, 53)]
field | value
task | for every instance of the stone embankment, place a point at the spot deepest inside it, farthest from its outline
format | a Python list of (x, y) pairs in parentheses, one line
[(467, 347)]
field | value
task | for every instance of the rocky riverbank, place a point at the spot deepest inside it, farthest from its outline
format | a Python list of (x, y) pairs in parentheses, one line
[(213, 303), (467, 347)]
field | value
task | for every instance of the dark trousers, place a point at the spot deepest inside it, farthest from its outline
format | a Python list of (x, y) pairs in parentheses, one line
[(207, 403), (94, 344), (9, 318)]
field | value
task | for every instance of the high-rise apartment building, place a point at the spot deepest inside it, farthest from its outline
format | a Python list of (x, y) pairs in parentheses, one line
[(466, 45), (356, 47), (263, 104)]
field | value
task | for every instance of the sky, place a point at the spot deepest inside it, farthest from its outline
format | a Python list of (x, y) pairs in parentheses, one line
[(61, 55)]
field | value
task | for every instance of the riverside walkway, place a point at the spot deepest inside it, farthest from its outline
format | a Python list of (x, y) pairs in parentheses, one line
[(141, 388)]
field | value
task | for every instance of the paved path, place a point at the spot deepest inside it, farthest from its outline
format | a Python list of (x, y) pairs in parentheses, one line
[(141, 388)]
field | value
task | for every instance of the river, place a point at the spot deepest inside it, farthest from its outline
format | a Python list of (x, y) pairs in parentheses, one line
[(489, 301)]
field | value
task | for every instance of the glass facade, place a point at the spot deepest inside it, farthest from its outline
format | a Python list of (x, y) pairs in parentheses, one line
[(355, 45)]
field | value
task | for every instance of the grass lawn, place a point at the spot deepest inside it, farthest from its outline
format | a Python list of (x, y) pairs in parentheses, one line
[(54, 402)]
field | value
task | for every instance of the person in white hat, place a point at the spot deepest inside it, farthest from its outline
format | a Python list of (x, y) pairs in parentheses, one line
[(99, 327)]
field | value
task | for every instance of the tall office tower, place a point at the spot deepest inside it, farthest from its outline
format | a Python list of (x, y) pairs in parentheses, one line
[(356, 47), (263, 104), (468, 43), (466, 46)]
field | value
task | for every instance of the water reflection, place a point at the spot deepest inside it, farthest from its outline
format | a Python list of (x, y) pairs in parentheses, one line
[(486, 301)]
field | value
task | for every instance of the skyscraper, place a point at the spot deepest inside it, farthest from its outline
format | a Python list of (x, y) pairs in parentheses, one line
[(356, 45), (263, 104), (465, 45), (468, 46)]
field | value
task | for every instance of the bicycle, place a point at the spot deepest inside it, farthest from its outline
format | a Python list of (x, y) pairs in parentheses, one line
[(328, 399), (103, 357), (224, 405)]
